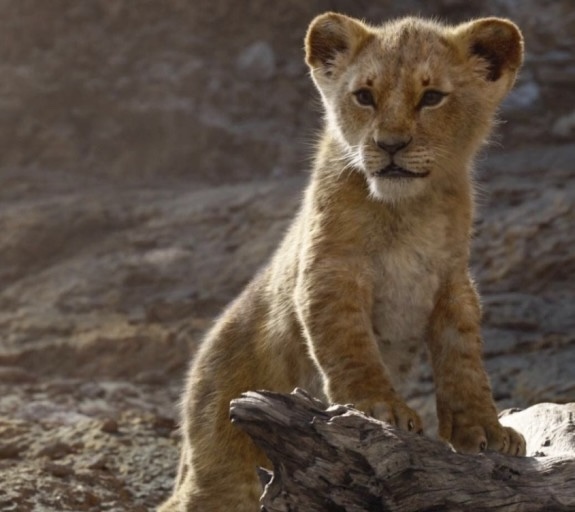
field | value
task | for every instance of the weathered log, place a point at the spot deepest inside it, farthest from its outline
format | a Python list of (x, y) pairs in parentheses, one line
[(337, 459)]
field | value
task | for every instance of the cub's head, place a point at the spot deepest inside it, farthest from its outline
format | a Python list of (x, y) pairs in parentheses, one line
[(411, 101)]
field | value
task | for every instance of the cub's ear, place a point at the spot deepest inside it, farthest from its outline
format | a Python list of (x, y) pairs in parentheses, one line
[(331, 39), (496, 46)]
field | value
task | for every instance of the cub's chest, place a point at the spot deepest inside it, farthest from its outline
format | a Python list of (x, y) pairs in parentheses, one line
[(405, 288), (404, 293), (407, 275)]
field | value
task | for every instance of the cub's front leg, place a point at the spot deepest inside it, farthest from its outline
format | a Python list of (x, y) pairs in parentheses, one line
[(465, 408), (334, 303)]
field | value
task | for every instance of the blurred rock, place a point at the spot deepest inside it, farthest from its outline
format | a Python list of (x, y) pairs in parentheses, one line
[(565, 126), (525, 95), (549, 428), (257, 61)]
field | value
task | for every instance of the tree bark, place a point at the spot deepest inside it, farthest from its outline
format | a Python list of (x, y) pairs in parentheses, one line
[(337, 459)]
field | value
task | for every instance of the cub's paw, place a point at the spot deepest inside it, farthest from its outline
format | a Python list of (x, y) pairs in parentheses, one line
[(472, 435), (394, 412)]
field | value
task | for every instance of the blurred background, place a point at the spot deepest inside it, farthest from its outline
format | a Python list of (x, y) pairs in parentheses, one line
[(152, 153)]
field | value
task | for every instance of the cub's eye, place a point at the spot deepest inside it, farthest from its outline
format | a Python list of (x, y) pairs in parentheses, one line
[(364, 97), (431, 98)]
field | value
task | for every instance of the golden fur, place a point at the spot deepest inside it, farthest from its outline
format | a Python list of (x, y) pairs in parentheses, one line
[(375, 264)]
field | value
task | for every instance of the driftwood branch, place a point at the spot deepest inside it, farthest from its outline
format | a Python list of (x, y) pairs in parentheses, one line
[(337, 459)]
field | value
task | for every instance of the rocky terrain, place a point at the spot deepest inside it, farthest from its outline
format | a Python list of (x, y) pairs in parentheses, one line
[(151, 158)]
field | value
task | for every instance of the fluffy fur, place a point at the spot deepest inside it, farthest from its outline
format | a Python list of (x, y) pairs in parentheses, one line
[(375, 264)]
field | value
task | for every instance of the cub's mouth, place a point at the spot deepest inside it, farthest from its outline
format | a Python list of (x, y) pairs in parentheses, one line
[(395, 171)]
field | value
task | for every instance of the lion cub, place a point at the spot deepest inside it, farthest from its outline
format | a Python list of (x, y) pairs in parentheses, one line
[(375, 264)]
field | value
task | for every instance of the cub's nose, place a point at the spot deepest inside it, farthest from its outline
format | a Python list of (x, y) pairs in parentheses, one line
[(392, 145)]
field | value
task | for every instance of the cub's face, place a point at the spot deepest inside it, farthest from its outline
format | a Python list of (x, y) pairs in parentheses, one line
[(411, 101)]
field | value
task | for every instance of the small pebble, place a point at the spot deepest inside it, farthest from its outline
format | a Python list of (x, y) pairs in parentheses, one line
[(56, 450), (59, 470), (110, 426), (164, 426), (98, 462), (9, 451)]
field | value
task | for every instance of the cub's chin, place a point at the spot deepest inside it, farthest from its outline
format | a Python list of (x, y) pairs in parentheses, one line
[(394, 184)]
